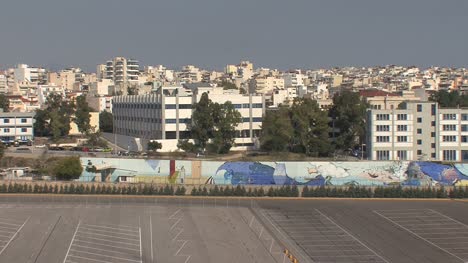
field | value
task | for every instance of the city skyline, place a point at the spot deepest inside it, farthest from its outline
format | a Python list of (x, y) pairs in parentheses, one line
[(211, 34)]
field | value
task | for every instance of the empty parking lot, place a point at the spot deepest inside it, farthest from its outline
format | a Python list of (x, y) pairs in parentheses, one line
[(85, 229)]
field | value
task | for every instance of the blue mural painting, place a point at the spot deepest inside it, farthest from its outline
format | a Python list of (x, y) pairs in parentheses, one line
[(274, 173)]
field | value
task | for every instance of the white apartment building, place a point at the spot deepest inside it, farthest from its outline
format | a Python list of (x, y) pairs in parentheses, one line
[(264, 85), (24, 73), (16, 126), (293, 79), (100, 103), (190, 74), (3, 84), (419, 131), (165, 115), (43, 91), (122, 70)]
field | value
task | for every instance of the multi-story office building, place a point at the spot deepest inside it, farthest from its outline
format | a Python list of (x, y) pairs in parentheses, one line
[(165, 116), (16, 126), (418, 131), (122, 70)]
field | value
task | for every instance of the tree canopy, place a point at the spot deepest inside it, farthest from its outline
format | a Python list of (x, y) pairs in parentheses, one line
[(4, 103), (68, 168), (451, 99), (82, 115), (54, 120), (106, 122)]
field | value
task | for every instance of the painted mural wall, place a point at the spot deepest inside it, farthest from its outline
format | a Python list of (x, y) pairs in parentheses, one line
[(273, 173)]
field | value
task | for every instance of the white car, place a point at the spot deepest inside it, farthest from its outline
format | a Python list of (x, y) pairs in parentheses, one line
[(40, 146)]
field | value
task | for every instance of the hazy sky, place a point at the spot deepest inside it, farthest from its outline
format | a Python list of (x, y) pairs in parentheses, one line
[(280, 34)]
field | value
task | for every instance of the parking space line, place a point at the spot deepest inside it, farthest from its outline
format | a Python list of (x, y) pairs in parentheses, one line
[(107, 240), (134, 230), (9, 232), (96, 260), (101, 255), (11, 228), (105, 250), (124, 248), (71, 242), (344, 230), (412, 232), (13, 237), (97, 234), (10, 224), (8, 219), (449, 218), (141, 252), (109, 232), (151, 239)]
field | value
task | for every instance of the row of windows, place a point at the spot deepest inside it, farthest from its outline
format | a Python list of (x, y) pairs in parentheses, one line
[(7, 130), (449, 127), (383, 117), (449, 155), (181, 106), (387, 138), (382, 128), (8, 120), (247, 106)]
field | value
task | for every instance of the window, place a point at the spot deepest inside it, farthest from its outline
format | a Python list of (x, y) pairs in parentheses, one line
[(449, 155), (464, 117), (24, 129), (433, 109), (171, 121), (464, 128), (433, 145), (383, 127), (187, 120), (419, 107), (185, 106), (237, 106), (419, 131), (419, 142), (402, 117), (402, 128), (449, 127), (402, 138), (6, 120), (383, 138), (402, 155), (449, 138), (433, 155), (464, 155), (383, 155), (24, 120), (170, 106), (449, 116), (433, 123), (464, 138), (257, 105), (245, 119), (6, 130), (419, 152), (419, 120), (257, 119), (383, 117), (245, 105), (432, 134)]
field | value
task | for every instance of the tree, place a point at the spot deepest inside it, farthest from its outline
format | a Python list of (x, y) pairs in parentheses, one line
[(277, 130), (186, 146), (227, 85), (68, 168), (154, 146), (448, 99), (225, 118), (55, 118), (4, 103), (82, 115), (202, 122), (349, 113), (106, 122), (41, 125), (310, 125)]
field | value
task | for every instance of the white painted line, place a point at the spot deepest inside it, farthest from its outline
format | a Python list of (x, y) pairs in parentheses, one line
[(344, 230), (175, 213), (178, 220), (151, 239), (251, 221), (180, 232), (10, 224), (107, 240), (100, 244), (109, 232), (182, 246), (16, 233), (10, 228), (116, 227), (73, 238), (9, 219), (9, 232), (109, 236), (111, 228), (96, 260), (141, 252), (105, 250), (449, 218), (446, 238), (428, 241), (101, 255), (286, 239)]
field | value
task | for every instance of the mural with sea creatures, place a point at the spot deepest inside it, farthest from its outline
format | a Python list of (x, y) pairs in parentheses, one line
[(274, 173)]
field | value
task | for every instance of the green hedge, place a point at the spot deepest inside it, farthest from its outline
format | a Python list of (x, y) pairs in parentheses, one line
[(93, 189), (385, 192), (282, 191)]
